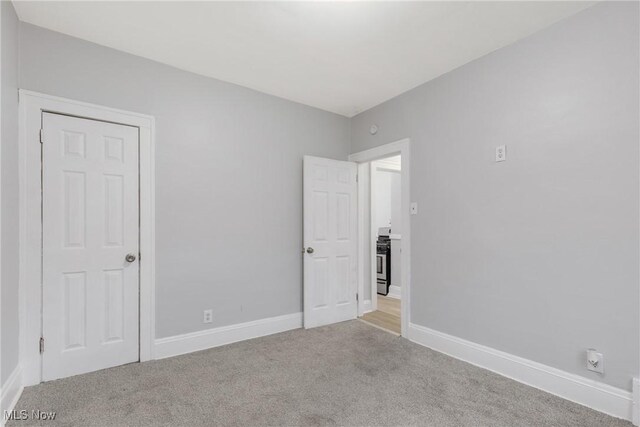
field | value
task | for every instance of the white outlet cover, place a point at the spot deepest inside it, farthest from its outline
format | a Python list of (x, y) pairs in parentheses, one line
[(414, 208), (595, 361), (501, 153), (207, 316)]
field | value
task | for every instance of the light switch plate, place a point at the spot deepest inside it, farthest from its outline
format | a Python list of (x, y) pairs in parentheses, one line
[(501, 153), (414, 208)]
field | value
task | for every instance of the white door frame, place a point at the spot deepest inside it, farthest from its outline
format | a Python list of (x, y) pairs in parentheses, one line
[(32, 105), (398, 147)]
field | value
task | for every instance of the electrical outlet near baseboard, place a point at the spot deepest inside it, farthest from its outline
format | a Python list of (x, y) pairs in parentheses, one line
[(207, 316), (595, 361)]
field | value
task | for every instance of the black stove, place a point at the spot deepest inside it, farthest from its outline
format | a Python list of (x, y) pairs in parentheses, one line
[(383, 264)]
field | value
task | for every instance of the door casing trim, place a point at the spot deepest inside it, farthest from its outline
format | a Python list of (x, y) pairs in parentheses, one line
[(32, 105), (401, 147)]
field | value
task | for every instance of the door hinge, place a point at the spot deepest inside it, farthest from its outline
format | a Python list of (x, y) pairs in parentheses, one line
[(357, 297), (356, 177), (41, 136), (41, 345)]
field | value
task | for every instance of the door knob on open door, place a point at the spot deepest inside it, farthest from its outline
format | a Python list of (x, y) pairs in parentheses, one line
[(130, 258), (309, 250)]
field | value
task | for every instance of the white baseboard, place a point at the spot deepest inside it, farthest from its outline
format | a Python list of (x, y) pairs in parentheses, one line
[(202, 340), (394, 292), (11, 392), (635, 418), (367, 306), (594, 394)]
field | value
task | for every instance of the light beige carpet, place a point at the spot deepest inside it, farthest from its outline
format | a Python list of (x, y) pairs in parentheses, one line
[(348, 374)]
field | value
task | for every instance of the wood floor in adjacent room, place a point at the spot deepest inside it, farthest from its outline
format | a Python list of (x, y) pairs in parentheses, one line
[(387, 316)]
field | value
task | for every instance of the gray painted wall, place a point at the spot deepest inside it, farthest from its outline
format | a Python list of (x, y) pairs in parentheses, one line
[(9, 191), (536, 256), (228, 176)]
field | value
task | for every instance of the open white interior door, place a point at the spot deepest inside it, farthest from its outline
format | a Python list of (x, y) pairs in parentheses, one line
[(330, 241)]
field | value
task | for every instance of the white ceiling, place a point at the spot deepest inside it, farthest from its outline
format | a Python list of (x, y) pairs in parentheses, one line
[(343, 57)]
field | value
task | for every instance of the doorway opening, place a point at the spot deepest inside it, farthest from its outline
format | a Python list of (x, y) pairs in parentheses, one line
[(383, 225), (385, 245), (385, 213)]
